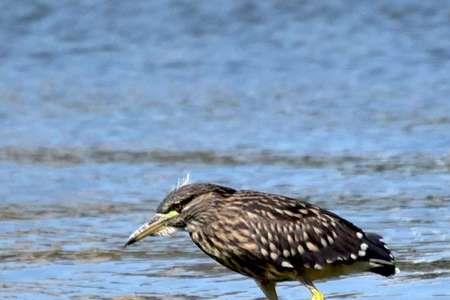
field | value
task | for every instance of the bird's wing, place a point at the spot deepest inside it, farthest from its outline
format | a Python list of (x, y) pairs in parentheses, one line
[(292, 232)]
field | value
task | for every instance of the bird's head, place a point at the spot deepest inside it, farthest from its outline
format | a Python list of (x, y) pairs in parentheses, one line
[(172, 211)]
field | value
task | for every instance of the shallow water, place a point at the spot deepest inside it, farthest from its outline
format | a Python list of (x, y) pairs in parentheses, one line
[(103, 106)]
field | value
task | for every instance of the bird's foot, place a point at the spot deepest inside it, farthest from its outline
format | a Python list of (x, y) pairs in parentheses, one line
[(317, 295)]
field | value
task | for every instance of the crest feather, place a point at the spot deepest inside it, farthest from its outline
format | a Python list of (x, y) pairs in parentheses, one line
[(183, 181)]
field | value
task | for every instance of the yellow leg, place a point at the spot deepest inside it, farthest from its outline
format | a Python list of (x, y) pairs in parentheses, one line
[(316, 294)]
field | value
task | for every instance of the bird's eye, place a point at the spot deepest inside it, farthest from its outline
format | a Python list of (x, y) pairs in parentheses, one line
[(178, 206)]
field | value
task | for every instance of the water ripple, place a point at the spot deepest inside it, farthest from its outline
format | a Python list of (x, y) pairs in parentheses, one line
[(359, 163)]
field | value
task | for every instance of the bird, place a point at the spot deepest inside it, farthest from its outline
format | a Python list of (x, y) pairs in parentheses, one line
[(268, 237)]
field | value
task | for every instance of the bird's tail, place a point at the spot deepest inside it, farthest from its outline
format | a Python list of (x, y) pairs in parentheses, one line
[(380, 257)]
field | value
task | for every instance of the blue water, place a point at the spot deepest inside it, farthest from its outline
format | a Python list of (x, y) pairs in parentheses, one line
[(104, 105)]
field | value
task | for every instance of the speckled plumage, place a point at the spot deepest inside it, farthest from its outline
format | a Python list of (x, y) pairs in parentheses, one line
[(274, 238)]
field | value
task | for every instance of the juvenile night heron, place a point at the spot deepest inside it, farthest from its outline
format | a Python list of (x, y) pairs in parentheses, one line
[(268, 237)]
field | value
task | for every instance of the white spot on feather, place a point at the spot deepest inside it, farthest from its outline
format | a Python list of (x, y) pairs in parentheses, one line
[(311, 247), (273, 255), (318, 267), (330, 240), (263, 240), (286, 264), (290, 239), (272, 247), (318, 231)]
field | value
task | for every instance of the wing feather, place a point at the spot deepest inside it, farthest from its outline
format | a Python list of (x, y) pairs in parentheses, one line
[(311, 235)]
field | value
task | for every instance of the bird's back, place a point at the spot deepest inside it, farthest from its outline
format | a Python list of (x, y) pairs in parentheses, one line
[(273, 237)]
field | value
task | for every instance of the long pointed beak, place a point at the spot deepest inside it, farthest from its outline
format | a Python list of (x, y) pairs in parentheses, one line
[(153, 227)]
